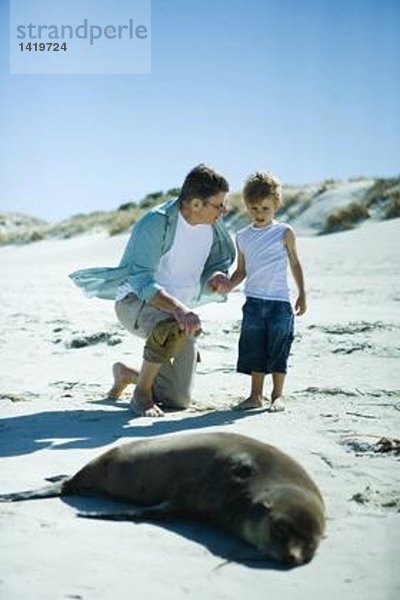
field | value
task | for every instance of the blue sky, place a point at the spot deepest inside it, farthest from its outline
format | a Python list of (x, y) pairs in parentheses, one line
[(309, 90)]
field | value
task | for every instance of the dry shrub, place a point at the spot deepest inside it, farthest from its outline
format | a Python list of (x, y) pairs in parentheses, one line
[(392, 211), (152, 200), (384, 196), (21, 236), (84, 223), (123, 221), (345, 218)]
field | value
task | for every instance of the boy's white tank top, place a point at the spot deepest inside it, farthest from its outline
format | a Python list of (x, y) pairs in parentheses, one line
[(266, 261)]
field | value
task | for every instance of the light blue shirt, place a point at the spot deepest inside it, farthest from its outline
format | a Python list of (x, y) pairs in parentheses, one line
[(151, 237)]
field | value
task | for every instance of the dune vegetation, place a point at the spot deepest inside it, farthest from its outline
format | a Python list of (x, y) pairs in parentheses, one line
[(340, 210)]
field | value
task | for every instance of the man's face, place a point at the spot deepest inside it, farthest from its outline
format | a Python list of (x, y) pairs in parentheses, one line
[(211, 210)]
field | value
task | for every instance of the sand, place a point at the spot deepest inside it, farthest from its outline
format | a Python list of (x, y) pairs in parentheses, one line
[(343, 396)]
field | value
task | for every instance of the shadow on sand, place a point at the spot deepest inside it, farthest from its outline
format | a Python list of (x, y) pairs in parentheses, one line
[(62, 429), (217, 542)]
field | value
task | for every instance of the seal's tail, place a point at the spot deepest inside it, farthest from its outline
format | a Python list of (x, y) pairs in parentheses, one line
[(49, 491)]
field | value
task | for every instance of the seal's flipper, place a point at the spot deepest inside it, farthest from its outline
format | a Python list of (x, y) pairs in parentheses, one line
[(140, 513), (56, 478), (49, 491)]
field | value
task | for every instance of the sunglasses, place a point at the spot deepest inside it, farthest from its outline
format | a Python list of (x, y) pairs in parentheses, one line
[(219, 207)]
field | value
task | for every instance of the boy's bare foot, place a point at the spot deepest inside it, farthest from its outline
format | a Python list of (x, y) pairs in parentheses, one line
[(123, 376), (277, 405), (142, 405), (250, 403)]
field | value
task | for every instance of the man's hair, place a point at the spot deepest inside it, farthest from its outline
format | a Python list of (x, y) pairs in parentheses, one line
[(261, 185), (202, 182)]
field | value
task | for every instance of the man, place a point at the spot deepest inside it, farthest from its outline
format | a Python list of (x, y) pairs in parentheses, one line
[(175, 260)]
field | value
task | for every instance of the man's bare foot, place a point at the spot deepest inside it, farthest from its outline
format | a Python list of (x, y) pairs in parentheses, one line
[(277, 405), (123, 376), (142, 405), (250, 403)]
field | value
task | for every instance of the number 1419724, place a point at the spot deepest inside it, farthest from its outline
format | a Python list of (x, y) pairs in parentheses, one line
[(43, 47)]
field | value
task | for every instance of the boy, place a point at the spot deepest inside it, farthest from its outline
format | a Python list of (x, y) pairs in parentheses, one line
[(265, 248)]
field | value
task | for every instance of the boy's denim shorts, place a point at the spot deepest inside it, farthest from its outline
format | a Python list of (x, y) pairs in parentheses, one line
[(266, 336)]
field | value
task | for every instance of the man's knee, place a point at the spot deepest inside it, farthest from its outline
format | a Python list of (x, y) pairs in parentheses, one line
[(165, 341)]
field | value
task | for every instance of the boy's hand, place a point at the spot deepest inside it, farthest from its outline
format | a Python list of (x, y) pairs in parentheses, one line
[(300, 306), (220, 283)]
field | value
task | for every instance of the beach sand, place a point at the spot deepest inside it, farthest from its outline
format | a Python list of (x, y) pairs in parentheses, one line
[(343, 396)]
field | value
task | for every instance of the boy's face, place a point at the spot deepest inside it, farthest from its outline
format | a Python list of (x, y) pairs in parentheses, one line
[(262, 212)]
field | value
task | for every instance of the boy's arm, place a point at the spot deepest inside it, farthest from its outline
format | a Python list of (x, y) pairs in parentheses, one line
[(240, 272), (300, 306), (222, 283)]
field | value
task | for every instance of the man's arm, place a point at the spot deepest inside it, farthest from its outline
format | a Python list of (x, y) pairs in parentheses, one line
[(142, 256), (187, 319), (297, 271)]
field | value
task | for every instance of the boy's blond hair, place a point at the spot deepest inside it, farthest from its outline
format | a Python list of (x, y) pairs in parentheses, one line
[(261, 185)]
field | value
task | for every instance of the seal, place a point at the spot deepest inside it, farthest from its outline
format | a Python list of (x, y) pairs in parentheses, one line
[(246, 487)]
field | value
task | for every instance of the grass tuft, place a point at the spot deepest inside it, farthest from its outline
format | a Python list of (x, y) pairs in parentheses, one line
[(345, 218)]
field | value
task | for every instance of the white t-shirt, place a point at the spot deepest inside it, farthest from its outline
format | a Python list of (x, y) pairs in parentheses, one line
[(180, 268), (266, 261)]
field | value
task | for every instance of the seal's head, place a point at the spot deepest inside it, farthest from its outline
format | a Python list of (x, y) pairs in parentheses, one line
[(287, 524)]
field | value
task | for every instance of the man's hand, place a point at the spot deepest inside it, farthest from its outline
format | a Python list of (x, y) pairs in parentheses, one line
[(188, 321), (219, 283)]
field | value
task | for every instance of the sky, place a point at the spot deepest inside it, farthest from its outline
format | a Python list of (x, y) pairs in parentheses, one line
[(309, 90)]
